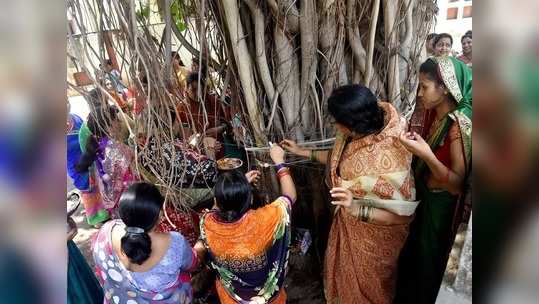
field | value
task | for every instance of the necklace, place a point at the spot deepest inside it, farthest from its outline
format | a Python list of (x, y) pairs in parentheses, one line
[(435, 125)]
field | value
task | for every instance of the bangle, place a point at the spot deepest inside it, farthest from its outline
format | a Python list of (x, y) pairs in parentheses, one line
[(365, 213), (360, 213), (279, 166), (283, 172), (283, 175), (312, 156), (369, 214)]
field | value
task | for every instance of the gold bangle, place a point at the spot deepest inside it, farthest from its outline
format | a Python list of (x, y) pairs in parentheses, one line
[(312, 156), (364, 212), (360, 213)]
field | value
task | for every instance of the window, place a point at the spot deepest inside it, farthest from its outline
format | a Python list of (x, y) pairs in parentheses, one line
[(452, 13), (467, 12)]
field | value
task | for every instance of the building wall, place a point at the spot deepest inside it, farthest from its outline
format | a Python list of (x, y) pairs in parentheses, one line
[(455, 27)]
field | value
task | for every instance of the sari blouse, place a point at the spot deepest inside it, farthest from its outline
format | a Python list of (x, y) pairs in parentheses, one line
[(167, 282), (376, 167), (251, 254)]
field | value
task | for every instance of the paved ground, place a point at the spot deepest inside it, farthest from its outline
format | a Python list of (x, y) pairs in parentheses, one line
[(448, 296)]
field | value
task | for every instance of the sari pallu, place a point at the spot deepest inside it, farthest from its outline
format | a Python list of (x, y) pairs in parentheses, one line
[(74, 152), (251, 254), (361, 258), (82, 285), (113, 164), (424, 257), (91, 197), (109, 175)]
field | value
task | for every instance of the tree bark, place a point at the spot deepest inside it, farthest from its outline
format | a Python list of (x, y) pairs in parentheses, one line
[(245, 67), (287, 80), (392, 44), (309, 64)]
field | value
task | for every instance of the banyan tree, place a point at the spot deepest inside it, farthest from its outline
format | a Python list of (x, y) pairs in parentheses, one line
[(276, 61)]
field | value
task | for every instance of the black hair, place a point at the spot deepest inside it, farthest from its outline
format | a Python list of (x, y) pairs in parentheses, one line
[(356, 107), (233, 195), (202, 67), (94, 99), (430, 69), (88, 157), (143, 79), (175, 55), (468, 34), (193, 78), (108, 61), (441, 36), (139, 206), (431, 36), (99, 121)]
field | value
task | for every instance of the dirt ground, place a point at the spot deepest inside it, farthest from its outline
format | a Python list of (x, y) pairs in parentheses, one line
[(303, 283)]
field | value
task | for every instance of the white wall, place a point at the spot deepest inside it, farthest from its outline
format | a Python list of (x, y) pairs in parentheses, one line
[(455, 27)]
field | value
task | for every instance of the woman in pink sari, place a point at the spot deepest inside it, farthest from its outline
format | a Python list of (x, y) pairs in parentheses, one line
[(107, 160)]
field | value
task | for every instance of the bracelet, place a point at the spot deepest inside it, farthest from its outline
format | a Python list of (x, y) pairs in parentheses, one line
[(282, 169), (362, 210), (365, 213), (283, 172), (312, 156), (360, 213), (369, 214), (367, 210), (279, 166), (283, 175)]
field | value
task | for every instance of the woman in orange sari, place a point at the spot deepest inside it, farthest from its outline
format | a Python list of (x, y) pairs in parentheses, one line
[(373, 188), (248, 247)]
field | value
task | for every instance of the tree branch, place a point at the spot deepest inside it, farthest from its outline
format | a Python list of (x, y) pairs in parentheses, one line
[(243, 60), (372, 35), (309, 42), (391, 40), (260, 55)]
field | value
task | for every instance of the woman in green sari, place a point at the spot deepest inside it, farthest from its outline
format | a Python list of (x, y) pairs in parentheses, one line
[(442, 166)]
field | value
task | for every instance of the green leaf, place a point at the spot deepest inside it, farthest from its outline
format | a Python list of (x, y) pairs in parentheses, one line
[(143, 13), (176, 13)]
